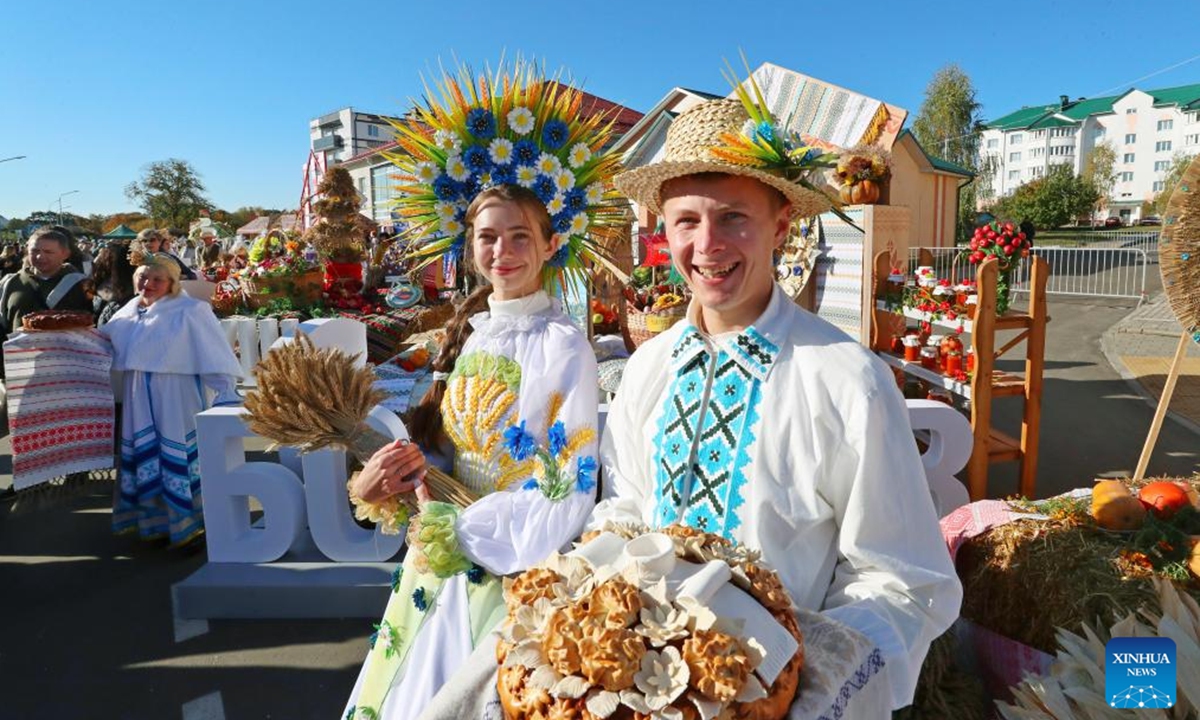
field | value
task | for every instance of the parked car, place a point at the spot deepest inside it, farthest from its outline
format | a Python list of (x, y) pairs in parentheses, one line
[(1113, 222), (1150, 220)]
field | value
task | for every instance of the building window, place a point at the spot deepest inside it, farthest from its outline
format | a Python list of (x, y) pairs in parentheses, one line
[(1131, 111), (372, 131), (1098, 131), (1036, 172), (1062, 132), (1014, 175), (1014, 139), (1160, 165), (993, 143), (1162, 146), (1193, 117), (1062, 150), (1131, 138), (1036, 152), (1039, 134), (1165, 125), (1126, 177), (383, 186), (1128, 159), (1014, 157), (1191, 139), (1158, 186)]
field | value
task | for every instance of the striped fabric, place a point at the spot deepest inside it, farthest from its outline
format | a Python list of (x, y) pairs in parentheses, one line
[(839, 274), (60, 404)]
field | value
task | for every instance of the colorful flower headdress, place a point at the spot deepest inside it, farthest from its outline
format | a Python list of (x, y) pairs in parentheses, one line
[(510, 127)]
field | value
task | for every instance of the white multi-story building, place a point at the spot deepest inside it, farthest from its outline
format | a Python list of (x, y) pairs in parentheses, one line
[(1145, 128), (344, 133)]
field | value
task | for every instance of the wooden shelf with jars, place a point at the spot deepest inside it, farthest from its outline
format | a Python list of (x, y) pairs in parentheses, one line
[(983, 382)]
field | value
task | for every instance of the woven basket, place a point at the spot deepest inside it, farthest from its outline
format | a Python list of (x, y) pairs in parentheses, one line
[(643, 326), (303, 290)]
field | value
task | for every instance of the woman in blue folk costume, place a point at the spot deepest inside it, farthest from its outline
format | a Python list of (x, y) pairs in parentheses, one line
[(505, 173)]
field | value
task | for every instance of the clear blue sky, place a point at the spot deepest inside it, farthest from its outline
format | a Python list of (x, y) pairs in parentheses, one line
[(91, 92)]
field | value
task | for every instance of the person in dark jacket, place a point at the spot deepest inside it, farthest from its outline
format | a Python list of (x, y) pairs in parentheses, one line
[(46, 282)]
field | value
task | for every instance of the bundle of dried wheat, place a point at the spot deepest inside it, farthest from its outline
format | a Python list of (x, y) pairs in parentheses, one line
[(312, 398), (1074, 688)]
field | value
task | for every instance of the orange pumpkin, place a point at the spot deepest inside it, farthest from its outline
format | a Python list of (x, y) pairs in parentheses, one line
[(863, 192), (1163, 498)]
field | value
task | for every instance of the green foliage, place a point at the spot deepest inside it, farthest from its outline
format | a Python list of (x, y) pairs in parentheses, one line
[(1179, 164), (171, 192), (1050, 201), (948, 126)]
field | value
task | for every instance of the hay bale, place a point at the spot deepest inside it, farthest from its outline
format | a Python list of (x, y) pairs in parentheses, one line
[(1028, 577)]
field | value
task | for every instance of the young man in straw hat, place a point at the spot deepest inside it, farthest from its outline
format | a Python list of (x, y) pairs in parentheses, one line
[(758, 421)]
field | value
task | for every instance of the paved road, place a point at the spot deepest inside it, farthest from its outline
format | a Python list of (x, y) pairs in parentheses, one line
[(88, 630)]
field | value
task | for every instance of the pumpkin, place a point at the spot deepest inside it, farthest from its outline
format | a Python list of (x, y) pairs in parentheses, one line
[(1115, 508), (1163, 498), (863, 192)]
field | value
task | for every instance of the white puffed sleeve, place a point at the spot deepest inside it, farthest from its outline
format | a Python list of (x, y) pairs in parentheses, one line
[(511, 530), (899, 589)]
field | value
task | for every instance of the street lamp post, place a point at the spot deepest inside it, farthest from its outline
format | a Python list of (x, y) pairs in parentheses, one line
[(60, 207)]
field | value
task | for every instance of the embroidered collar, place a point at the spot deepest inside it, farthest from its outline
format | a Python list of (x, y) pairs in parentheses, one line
[(754, 349)]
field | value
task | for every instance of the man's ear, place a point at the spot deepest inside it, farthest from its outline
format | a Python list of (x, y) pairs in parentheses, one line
[(783, 224)]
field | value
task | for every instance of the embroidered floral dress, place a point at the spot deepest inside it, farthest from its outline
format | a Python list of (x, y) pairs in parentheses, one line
[(521, 409)]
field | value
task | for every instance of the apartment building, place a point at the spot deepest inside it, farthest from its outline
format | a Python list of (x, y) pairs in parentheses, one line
[(344, 133), (1145, 128)]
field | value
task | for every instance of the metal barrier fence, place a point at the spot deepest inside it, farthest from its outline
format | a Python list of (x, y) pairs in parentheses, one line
[(1111, 272)]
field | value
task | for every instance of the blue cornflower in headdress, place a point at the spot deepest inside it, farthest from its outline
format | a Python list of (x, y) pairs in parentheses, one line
[(469, 188), (445, 188), (476, 158), (575, 200), (504, 175), (544, 188), (481, 123), (562, 222), (585, 474), (559, 258), (554, 134), (558, 437), (525, 152), (765, 131), (519, 443)]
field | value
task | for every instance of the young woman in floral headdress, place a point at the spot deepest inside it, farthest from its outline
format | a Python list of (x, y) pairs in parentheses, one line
[(515, 393)]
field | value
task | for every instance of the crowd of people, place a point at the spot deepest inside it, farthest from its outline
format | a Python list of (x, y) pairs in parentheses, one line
[(169, 356)]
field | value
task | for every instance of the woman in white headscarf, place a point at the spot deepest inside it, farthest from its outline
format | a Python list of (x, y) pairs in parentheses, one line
[(176, 363)]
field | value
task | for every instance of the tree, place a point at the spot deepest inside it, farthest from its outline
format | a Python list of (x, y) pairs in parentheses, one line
[(1099, 169), (1179, 165), (1050, 201), (170, 191), (948, 125)]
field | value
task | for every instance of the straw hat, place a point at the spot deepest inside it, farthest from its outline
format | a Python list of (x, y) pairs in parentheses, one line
[(688, 151)]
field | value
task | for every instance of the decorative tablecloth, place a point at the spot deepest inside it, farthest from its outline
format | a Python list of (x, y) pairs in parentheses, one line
[(843, 677), (60, 404)]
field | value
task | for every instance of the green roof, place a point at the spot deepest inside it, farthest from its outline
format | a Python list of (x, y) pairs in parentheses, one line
[(1187, 97), (1052, 120), (937, 163), (120, 232), (1021, 118)]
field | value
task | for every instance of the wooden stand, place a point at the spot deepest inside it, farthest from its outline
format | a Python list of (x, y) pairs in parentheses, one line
[(986, 382)]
